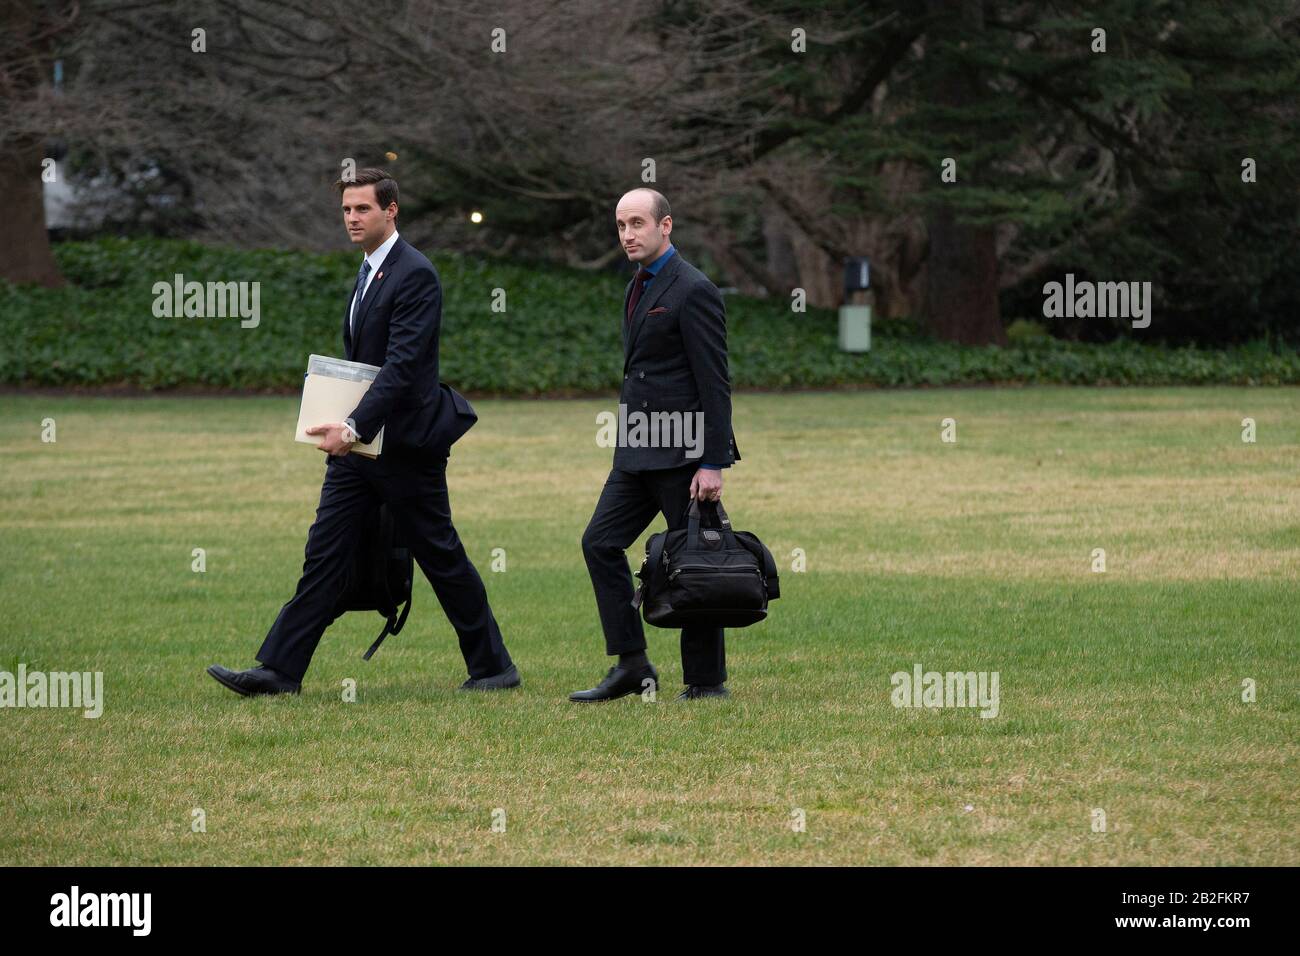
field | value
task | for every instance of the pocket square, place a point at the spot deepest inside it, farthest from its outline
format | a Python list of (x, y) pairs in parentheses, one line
[(658, 311)]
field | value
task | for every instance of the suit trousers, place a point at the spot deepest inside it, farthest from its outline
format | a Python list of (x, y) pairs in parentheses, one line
[(628, 503), (416, 493)]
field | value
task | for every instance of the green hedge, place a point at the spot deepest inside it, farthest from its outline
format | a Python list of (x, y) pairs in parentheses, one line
[(558, 335)]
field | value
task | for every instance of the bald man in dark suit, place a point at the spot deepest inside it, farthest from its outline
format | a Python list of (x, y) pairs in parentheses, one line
[(674, 361)]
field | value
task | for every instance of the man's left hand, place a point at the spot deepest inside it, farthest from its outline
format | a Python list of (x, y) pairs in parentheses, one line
[(333, 443), (707, 484)]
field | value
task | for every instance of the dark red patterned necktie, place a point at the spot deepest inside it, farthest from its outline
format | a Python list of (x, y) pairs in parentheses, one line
[(642, 276)]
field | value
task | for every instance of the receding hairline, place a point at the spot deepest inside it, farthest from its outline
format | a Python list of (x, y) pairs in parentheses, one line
[(659, 207)]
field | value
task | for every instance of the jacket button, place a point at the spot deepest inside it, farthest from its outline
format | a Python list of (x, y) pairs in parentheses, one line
[(625, 378), (644, 404), (640, 374)]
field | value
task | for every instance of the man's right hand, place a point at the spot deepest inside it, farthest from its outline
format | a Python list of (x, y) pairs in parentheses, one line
[(707, 484)]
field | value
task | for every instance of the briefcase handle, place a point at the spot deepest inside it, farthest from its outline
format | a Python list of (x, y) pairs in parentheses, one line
[(723, 524), (693, 511)]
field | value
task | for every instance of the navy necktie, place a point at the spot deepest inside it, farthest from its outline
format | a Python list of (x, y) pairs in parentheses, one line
[(356, 293), (642, 277)]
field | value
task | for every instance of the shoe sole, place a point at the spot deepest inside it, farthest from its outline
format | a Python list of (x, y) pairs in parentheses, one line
[(513, 686), (602, 700), (606, 700), (241, 691)]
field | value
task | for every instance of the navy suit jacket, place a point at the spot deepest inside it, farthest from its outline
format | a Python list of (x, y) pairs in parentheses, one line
[(396, 328)]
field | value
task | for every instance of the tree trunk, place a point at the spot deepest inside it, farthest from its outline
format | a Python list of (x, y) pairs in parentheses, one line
[(963, 276), (962, 265), (780, 251), (25, 254)]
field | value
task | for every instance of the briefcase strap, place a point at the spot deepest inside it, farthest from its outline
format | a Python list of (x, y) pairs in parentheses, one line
[(654, 553), (769, 571)]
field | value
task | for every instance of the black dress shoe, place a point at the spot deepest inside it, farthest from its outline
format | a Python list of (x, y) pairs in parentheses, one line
[(619, 682), (254, 682), (696, 691), (506, 679)]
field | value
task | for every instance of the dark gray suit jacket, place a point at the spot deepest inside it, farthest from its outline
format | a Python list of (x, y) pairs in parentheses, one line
[(675, 360)]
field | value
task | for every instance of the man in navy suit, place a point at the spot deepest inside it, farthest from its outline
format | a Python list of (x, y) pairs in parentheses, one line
[(392, 320), (675, 367)]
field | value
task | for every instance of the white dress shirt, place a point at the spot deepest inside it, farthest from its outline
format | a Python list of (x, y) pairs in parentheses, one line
[(376, 259)]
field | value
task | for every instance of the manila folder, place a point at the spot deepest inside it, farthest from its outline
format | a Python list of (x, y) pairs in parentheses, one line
[(326, 399)]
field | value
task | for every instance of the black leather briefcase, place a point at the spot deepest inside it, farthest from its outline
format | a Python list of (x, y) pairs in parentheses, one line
[(706, 575), (379, 578)]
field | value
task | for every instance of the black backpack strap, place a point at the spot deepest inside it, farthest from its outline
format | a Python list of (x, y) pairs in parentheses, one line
[(395, 621), (379, 640), (401, 618), (391, 626)]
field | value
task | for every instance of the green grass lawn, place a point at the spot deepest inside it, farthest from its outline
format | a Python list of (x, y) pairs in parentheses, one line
[(1119, 691)]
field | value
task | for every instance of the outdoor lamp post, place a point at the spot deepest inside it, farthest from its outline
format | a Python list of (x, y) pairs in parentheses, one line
[(855, 318)]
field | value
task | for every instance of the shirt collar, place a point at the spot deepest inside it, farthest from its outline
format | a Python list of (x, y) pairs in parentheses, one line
[(376, 258), (658, 264)]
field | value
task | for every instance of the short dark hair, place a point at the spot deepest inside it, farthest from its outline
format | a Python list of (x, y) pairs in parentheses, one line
[(385, 185)]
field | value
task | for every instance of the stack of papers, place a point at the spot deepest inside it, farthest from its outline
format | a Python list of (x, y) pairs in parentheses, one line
[(331, 390)]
